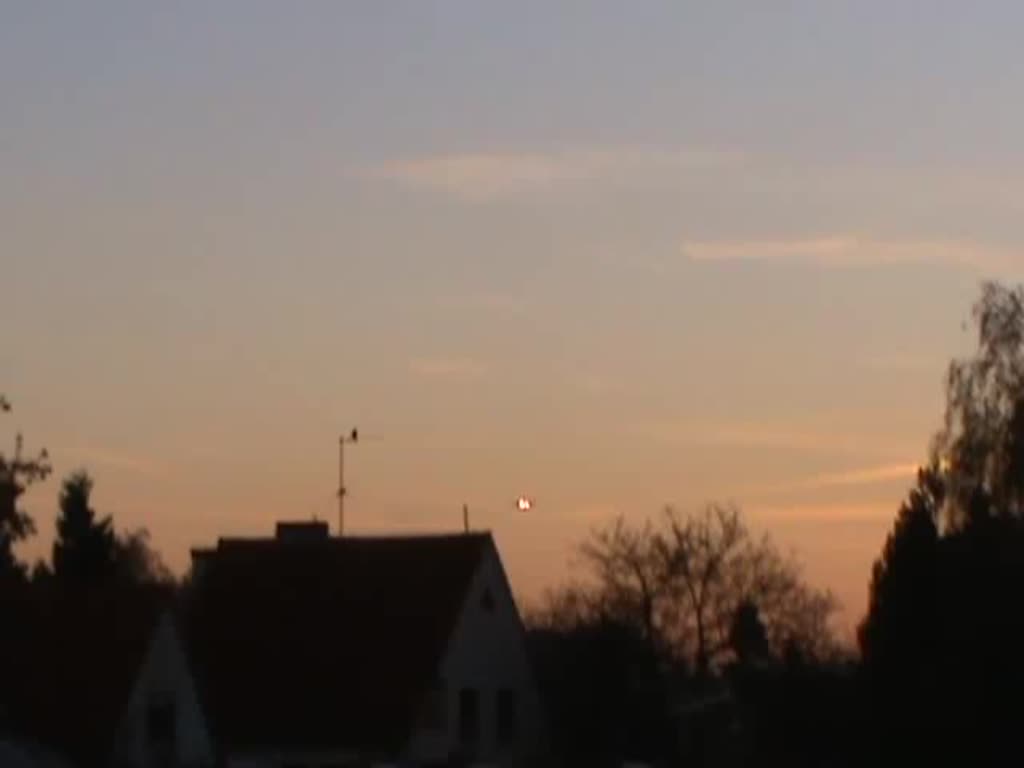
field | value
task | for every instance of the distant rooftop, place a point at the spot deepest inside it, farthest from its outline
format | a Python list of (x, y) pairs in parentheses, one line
[(344, 633), (308, 532)]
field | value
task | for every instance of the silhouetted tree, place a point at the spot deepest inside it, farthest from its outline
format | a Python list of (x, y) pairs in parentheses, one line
[(89, 554), (941, 642), (99, 600), (563, 609), (17, 472), (682, 583), (136, 562), (84, 549), (942, 639), (904, 599), (18, 612), (603, 693), (981, 443), (632, 585), (41, 576), (747, 636)]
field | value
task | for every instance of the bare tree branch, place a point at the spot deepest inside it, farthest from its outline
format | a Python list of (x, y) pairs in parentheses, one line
[(684, 581)]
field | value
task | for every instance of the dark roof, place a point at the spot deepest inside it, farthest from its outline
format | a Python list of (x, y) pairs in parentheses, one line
[(315, 642)]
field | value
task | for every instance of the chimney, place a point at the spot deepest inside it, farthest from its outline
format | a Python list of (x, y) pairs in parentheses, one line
[(302, 532)]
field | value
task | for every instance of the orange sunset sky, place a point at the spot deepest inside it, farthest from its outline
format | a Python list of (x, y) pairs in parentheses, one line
[(609, 255)]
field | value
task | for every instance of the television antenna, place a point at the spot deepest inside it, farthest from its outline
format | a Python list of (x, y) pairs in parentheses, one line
[(349, 439), (352, 437)]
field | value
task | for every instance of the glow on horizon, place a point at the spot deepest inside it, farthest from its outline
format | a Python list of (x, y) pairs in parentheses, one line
[(640, 255)]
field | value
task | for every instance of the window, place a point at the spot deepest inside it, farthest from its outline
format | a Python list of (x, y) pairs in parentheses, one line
[(435, 707), (161, 720), (487, 601), (507, 715), (161, 729), (469, 715)]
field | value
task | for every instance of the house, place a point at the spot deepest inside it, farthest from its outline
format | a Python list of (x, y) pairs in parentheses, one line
[(71, 671), (162, 723), (306, 650)]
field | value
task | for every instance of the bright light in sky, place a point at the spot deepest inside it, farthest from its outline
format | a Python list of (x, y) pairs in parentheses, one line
[(737, 270)]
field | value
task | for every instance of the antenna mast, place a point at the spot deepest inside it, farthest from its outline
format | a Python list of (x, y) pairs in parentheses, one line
[(351, 437)]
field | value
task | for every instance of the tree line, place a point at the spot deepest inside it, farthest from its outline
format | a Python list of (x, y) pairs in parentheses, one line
[(675, 627), (693, 608), (61, 617), (87, 554), (686, 638)]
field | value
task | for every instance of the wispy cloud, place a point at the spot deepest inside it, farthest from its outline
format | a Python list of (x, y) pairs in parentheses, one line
[(762, 436), (93, 455), (829, 437), (859, 476), (771, 514), (851, 250), (484, 176), (447, 368), (752, 435)]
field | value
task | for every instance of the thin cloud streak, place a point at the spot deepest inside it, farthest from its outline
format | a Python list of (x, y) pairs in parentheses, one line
[(102, 457), (741, 435), (486, 176), (837, 440), (849, 478), (750, 435), (851, 250), (761, 436), (821, 513)]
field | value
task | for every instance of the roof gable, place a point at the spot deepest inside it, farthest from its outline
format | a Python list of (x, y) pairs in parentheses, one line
[(164, 671)]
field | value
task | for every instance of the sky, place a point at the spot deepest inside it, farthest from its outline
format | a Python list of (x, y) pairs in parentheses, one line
[(613, 256)]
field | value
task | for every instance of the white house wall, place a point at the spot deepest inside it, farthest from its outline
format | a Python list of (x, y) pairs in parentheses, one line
[(487, 651), (164, 671)]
